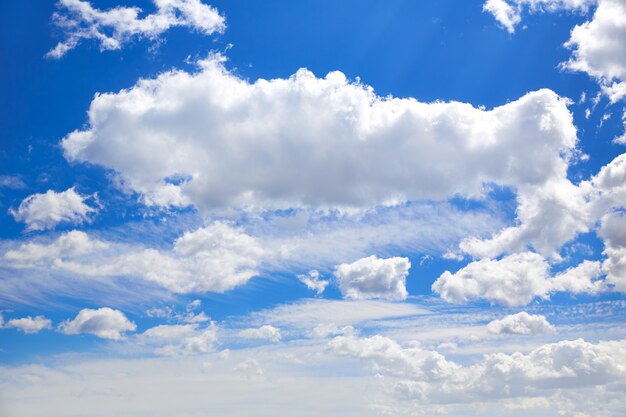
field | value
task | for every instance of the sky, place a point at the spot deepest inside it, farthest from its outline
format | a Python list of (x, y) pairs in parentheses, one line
[(280, 208)]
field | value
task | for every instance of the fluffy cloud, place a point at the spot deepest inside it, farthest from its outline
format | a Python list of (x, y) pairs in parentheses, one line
[(521, 323), (79, 20), (213, 258), (265, 332), (613, 233), (45, 211), (548, 216), (291, 142), (599, 46), (516, 280), (427, 376), (104, 322), (313, 281), (509, 12), (180, 339), (373, 277), (29, 324)]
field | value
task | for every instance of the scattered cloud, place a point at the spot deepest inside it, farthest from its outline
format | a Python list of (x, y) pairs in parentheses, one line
[(428, 377), (313, 281), (373, 277), (265, 332), (29, 324), (509, 12), (180, 339), (598, 46), (45, 211), (215, 258), (79, 20), (105, 323), (521, 324), (516, 280), (13, 182)]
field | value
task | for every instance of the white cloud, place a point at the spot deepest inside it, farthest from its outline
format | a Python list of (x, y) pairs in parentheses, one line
[(265, 332), (622, 139), (180, 339), (599, 46), (428, 377), (548, 216), (313, 282), (516, 280), (104, 322), (68, 246), (213, 258), (373, 277), (615, 92), (325, 330), (522, 324), (613, 233), (79, 21), (307, 314), (45, 211), (509, 12), (13, 182), (29, 324), (290, 142)]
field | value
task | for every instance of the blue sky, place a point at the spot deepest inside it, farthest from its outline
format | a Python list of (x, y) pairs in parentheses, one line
[(339, 208)]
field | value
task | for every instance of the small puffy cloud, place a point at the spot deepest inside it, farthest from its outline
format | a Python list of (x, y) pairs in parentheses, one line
[(325, 330), (265, 332), (45, 211), (211, 128), (111, 28), (313, 281), (180, 339), (373, 277), (509, 12), (516, 280), (521, 324), (29, 324), (104, 322), (215, 258)]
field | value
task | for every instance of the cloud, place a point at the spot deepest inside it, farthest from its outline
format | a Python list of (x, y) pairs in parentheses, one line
[(104, 322), (313, 282), (373, 277), (29, 324), (180, 339), (509, 12), (45, 211), (79, 21), (13, 182), (428, 377), (548, 216), (516, 280), (613, 233), (521, 324), (286, 143), (213, 258), (599, 46), (265, 332), (308, 313)]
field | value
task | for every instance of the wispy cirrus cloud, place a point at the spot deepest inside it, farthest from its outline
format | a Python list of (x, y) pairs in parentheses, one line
[(79, 21)]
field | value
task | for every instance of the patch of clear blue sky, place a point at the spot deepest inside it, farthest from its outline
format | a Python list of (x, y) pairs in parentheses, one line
[(430, 50)]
